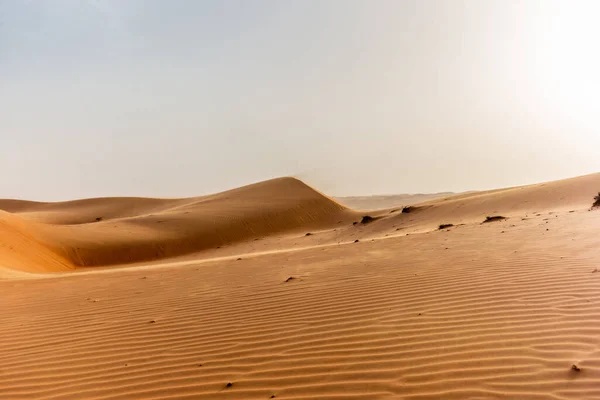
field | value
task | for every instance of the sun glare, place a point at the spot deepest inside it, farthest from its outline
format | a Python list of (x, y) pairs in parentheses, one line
[(566, 63)]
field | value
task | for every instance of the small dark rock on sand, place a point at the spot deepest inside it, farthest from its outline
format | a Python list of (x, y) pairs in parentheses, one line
[(494, 218), (366, 219), (575, 368), (444, 226)]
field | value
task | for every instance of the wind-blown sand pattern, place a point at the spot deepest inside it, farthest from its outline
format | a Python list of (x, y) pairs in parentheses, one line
[(192, 298)]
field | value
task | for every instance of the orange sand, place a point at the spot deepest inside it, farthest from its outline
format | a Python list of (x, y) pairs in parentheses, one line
[(177, 298)]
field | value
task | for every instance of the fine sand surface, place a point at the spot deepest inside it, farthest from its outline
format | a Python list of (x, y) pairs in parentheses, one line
[(227, 297)]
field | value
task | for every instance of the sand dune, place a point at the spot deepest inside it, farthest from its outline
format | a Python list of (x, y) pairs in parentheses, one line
[(477, 311), (113, 231), (87, 210), (470, 208), (566, 194)]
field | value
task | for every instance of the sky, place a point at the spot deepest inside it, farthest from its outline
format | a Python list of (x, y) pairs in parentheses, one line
[(183, 97)]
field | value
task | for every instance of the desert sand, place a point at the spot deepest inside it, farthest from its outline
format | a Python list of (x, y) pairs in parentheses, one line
[(275, 290)]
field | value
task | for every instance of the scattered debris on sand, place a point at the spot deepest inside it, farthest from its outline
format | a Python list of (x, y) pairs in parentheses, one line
[(494, 218), (596, 201)]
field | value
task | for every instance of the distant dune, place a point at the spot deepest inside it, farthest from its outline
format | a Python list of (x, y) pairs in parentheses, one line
[(388, 201), (276, 291)]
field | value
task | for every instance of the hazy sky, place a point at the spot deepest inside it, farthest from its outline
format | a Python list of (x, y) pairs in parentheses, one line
[(181, 98)]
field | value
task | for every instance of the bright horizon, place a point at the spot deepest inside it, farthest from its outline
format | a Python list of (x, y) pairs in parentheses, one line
[(185, 98)]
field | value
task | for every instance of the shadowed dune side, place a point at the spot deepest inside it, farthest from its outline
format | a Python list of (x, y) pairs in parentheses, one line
[(262, 209)]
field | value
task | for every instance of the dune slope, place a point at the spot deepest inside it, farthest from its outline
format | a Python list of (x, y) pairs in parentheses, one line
[(473, 208), (21, 247)]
